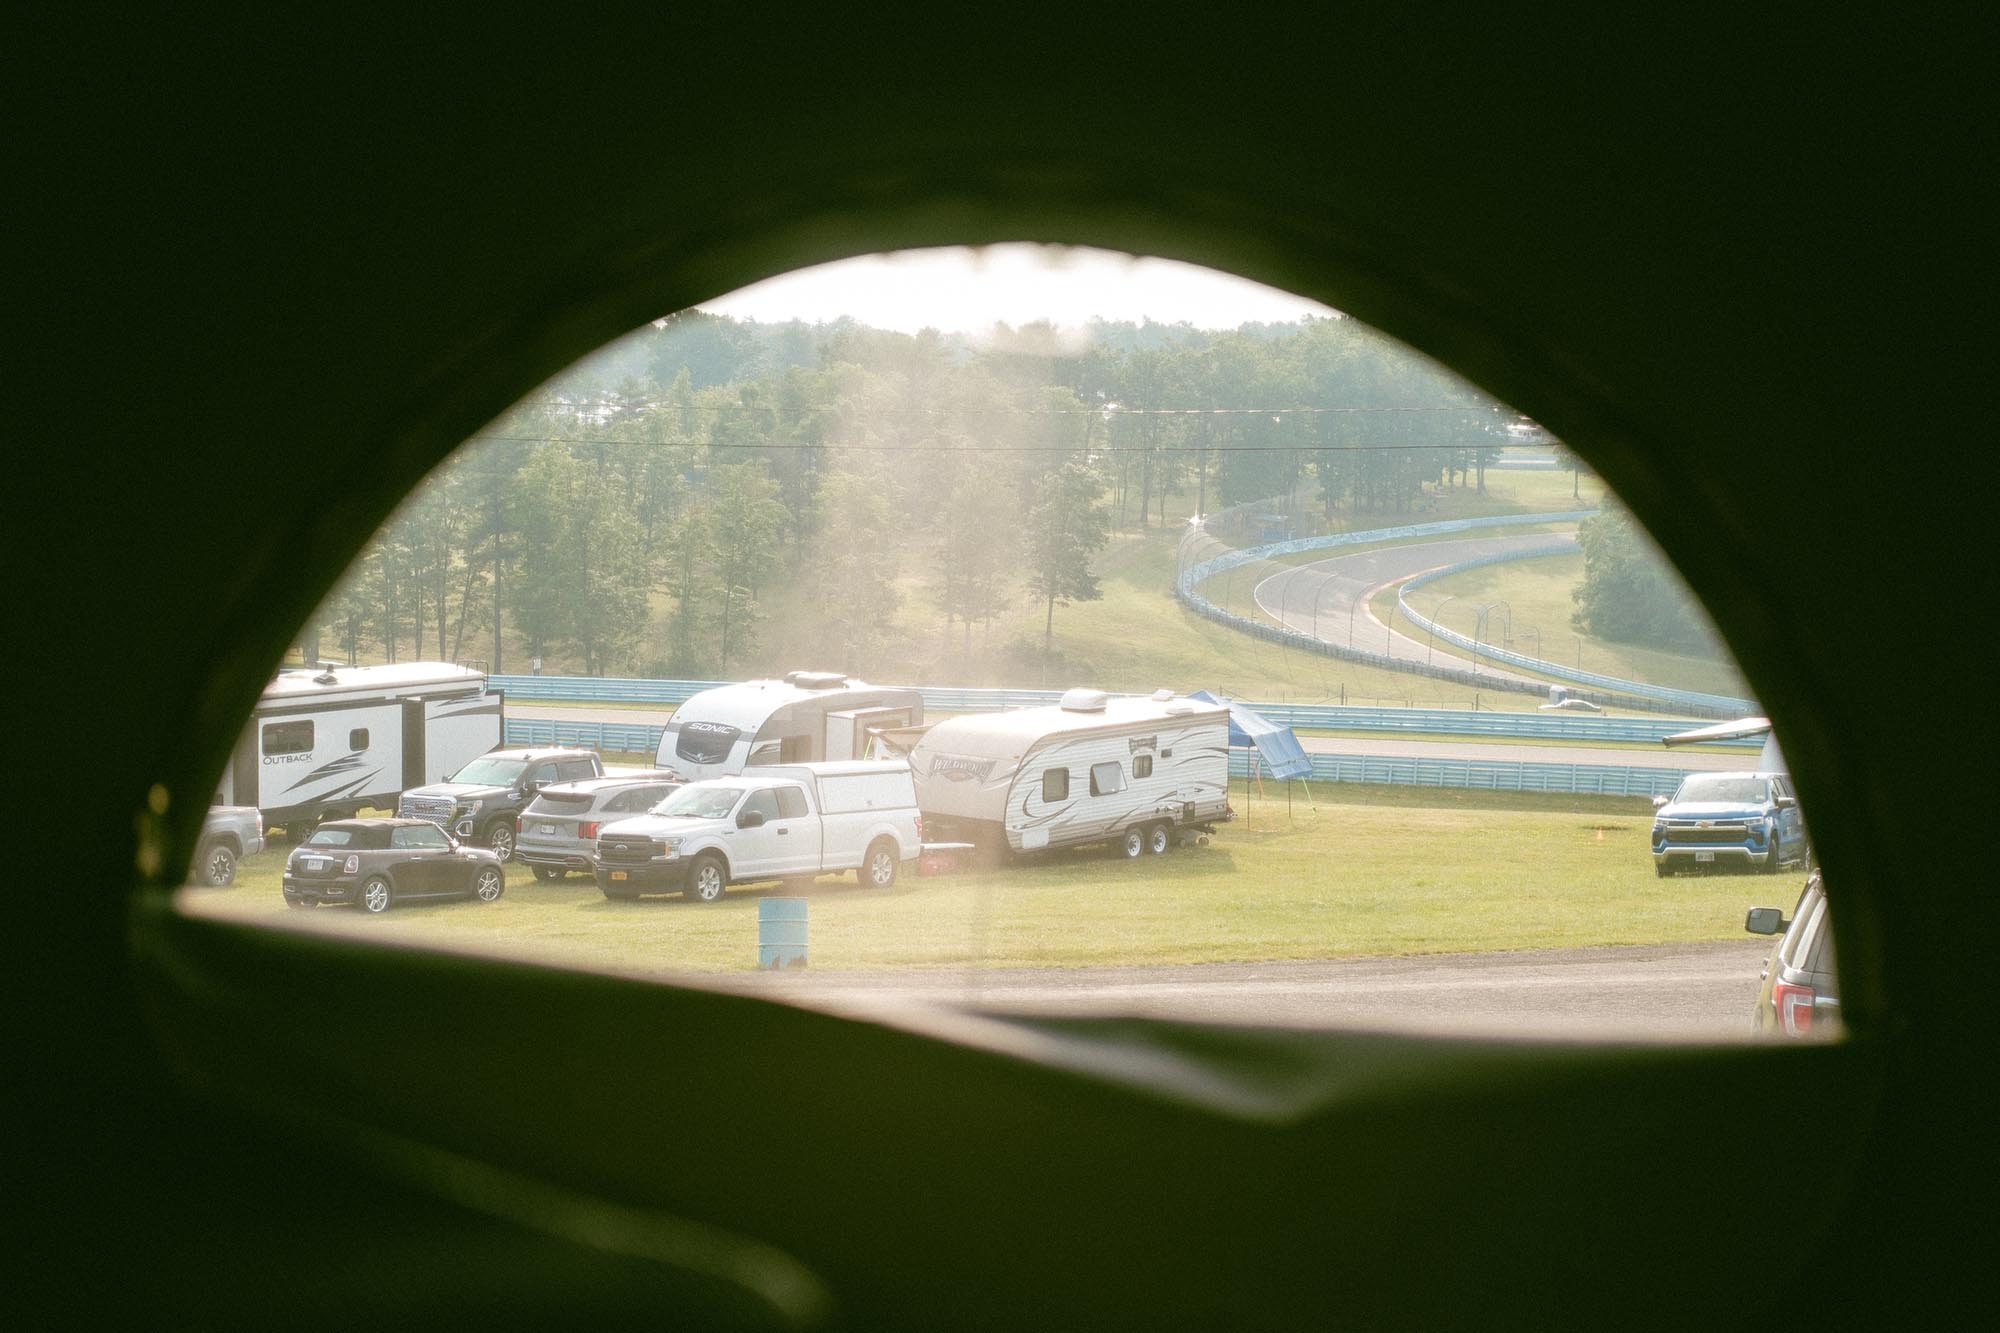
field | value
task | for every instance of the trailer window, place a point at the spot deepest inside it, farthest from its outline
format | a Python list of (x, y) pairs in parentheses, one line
[(288, 738), (1055, 784), (357, 739), (1142, 766), (1107, 778)]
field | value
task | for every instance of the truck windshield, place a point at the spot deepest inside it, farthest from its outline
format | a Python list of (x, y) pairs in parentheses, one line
[(492, 772), (1722, 787), (698, 802)]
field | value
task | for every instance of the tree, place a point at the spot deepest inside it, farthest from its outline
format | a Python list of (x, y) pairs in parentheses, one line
[(1629, 593), (745, 519), (853, 569), (1067, 526)]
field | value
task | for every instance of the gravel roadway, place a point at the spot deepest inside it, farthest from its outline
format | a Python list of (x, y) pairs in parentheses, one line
[(1672, 992)]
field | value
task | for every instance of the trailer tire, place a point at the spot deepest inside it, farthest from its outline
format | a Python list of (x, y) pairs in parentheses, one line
[(1133, 845), (548, 874), (1159, 839)]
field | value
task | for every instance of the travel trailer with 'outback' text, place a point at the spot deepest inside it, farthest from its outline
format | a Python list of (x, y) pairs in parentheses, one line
[(328, 742)]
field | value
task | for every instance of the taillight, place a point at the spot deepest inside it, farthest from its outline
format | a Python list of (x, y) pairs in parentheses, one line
[(352, 866), (260, 823), (588, 832), (1794, 1004), (520, 825)]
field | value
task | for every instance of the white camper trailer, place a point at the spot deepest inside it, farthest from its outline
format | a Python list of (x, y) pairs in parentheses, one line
[(325, 742), (1140, 773), (804, 718)]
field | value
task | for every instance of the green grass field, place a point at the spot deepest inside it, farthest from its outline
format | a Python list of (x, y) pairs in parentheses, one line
[(1369, 871)]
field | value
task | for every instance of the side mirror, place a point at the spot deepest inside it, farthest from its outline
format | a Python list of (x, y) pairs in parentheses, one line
[(1766, 921), (750, 819), (1660, 802), (1787, 802)]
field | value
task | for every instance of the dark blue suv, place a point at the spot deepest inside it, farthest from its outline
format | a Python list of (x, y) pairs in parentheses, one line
[(1744, 821)]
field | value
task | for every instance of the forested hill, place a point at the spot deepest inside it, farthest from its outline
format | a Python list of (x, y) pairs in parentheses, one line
[(711, 497)]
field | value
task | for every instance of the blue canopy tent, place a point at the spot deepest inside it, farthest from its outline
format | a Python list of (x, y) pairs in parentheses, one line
[(1277, 747)]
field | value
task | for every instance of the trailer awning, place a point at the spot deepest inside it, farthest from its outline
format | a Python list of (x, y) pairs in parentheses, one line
[(1277, 745)]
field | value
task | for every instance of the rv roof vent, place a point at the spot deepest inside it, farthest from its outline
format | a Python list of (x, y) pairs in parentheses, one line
[(815, 680), (326, 676), (1161, 696), (1084, 701), (1180, 706)]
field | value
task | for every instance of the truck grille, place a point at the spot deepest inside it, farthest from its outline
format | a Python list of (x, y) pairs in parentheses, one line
[(625, 851), (1731, 831), (437, 809)]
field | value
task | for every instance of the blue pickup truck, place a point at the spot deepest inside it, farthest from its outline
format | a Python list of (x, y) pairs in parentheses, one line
[(1744, 821)]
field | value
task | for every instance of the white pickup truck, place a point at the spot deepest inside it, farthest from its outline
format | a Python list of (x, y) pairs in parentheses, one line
[(791, 821)]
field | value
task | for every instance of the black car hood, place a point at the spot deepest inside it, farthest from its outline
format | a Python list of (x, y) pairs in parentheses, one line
[(461, 791)]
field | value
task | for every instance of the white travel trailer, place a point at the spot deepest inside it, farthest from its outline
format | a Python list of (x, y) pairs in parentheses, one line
[(804, 718), (1140, 773), (324, 743)]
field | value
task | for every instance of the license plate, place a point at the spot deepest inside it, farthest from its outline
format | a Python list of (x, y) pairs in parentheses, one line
[(619, 874), (315, 863), (1704, 856), (547, 828)]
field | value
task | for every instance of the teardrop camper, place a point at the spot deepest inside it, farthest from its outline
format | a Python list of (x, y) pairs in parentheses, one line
[(1141, 773), (806, 717)]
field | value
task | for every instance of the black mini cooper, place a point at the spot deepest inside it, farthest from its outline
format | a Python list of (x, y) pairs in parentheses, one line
[(373, 863)]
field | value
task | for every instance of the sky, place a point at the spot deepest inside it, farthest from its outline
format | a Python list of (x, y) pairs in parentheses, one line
[(965, 290)]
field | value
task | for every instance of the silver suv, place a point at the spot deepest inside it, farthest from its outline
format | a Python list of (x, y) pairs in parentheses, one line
[(558, 830)]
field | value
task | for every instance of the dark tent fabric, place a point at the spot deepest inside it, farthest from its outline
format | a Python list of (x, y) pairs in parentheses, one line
[(1278, 747)]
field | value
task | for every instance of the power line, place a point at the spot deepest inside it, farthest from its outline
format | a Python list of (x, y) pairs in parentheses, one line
[(1097, 451)]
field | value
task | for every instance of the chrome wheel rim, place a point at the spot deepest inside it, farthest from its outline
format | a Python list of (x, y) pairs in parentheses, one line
[(502, 841), (221, 867), (1133, 844), (881, 869), (708, 883), (489, 885), (376, 897)]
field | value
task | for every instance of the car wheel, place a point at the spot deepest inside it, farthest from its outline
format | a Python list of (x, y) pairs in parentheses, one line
[(500, 839), (218, 865), (1660, 869), (301, 827), (878, 871), (548, 874), (1771, 862), (1158, 839), (376, 895), (706, 881), (489, 884), (1134, 844)]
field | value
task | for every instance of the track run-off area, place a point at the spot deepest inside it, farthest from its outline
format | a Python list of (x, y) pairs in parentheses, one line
[(1329, 599)]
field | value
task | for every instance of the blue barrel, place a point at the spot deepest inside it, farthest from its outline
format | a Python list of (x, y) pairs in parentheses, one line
[(781, 932)]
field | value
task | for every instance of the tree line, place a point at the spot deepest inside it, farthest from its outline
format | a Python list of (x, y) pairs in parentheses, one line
[(653, 509)]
